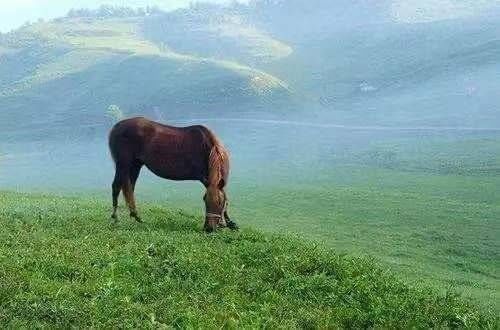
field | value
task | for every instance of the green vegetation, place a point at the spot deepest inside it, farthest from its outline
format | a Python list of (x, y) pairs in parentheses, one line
[(422, 202), (429, 211), (91, 62), (213, 60), (242, 42), (63, 264), (413, 227), (115, 113)]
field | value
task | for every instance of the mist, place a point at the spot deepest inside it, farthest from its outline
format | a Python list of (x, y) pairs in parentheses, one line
[(346, 121), (357, 73)]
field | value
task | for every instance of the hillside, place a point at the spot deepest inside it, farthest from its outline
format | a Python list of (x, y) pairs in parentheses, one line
[(364, 131), (438, 73), (64, 265), (336, 61), (75, 67)]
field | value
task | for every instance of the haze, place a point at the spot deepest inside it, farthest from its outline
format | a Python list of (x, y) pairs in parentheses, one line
[(371, 127)]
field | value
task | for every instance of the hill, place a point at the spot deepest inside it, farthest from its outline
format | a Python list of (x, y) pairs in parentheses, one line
[(64, 265), (368, 134), (71, 69), (337, 61)]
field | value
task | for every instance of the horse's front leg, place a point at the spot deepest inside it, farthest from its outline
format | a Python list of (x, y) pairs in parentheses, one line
[(229, 223)]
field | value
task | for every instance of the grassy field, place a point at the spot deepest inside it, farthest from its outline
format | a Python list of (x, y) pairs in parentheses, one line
[(444, 241), (429, 211), (341, 140), (63, 264)]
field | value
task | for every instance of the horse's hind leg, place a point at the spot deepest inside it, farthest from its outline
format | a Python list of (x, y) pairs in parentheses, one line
[(116, 187), (128, 191), (134, 173), (125, 179)]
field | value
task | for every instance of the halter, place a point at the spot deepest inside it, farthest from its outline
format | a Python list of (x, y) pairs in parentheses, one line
[(213, 215), (209, 217), (219, 217)]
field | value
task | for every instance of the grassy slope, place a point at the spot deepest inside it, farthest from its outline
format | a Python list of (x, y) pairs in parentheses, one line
[(440, 240), (63, 264), (428, 210), (215, 34), (119, 35), (84, 65)]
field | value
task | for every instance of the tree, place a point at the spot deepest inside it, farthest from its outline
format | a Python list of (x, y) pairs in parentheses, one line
[(107, 11), (115, 113)]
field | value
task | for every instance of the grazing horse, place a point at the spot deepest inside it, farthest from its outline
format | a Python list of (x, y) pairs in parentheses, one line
[(174, 153)]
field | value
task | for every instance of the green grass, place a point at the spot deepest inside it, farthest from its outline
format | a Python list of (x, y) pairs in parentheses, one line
[(442, 241), (430, 223), (63, 264)]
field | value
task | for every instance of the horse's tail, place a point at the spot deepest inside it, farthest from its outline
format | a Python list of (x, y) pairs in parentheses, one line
[(113, 141), (218, 162), (114, 137)]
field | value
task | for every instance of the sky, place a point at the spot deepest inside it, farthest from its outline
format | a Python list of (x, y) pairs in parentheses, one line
[(14, 13)]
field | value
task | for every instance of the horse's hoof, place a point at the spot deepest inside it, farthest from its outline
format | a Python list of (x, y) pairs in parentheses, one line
[(209, 229), (135, 217), (232, 225)]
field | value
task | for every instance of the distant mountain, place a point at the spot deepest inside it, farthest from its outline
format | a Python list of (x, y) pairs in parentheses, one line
[(349, 62), (361, 64)]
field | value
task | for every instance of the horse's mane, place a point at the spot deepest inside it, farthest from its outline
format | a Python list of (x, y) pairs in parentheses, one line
[(218, 163)]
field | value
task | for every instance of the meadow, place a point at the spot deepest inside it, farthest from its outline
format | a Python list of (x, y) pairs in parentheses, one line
[(365, 168), (429, 211), (63, 266), (424, 207)]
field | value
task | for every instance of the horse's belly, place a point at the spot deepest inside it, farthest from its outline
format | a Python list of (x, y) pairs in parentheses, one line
[(178, 169)]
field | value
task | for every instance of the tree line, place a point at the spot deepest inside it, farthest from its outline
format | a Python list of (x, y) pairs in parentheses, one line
[(106, 11)]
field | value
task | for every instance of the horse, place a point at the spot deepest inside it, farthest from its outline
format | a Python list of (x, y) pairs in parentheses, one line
[(173, 153)]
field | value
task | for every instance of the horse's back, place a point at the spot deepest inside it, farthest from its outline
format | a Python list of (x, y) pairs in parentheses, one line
[(132, 127), (141, 127)]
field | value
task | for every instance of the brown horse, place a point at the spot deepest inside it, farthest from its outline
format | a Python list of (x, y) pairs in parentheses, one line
[(174, 153)]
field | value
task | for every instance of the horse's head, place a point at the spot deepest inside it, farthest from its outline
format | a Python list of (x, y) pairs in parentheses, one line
[(215, 205)]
